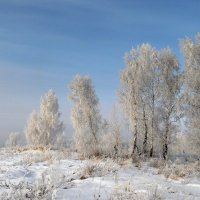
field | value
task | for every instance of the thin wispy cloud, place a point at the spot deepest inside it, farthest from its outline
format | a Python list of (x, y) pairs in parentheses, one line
[(43, 44)]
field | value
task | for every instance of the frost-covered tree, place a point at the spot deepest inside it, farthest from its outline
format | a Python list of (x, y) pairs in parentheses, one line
[(13, 139), (169, 92), (50, 124), (129, 95), (115, 129), (33, 134), (61, 141), (148, 95), (44, 127), (139, 93), (85, 115), (191, 51), (110, 143)]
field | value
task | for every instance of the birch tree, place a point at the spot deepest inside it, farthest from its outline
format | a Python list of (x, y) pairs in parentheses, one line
[(115, 130), (149, 83), (13, 139), (44, 127), (169, 90), (138, 93), (129, 95), (111, 136), (86, 118), (33, 134), (191, 51)]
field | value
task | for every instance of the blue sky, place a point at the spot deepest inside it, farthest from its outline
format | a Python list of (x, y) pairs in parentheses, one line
[(44, 43)]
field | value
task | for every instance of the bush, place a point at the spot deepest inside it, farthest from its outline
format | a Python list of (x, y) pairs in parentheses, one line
[(176, 171), (156, 163), (129, 192), (99, 169)]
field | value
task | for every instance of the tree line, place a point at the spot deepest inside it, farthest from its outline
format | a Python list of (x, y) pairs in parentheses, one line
[(156, 96)]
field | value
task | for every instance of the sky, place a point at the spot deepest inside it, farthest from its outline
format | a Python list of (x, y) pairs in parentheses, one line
[(44, 43)]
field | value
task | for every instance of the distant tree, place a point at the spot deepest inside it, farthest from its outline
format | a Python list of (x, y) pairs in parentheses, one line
[(44, 127), (33, 134), (191, 51), (13, 139), (61, 141), (110, 143), (115, 131), (86, 118)]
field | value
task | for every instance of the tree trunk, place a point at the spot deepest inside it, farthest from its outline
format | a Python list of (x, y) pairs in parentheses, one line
[(92, 129), (94, 132), (152, 127), (165, 143), (165, 151), (135, 139), (145, 132)]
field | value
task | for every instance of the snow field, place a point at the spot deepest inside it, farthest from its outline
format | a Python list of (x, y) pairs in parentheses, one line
[(36, 174)]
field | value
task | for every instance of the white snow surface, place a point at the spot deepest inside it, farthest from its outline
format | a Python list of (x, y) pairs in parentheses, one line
[(71, 181)]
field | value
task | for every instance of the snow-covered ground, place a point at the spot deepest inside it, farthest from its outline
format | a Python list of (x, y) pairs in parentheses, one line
[(35, 174)]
